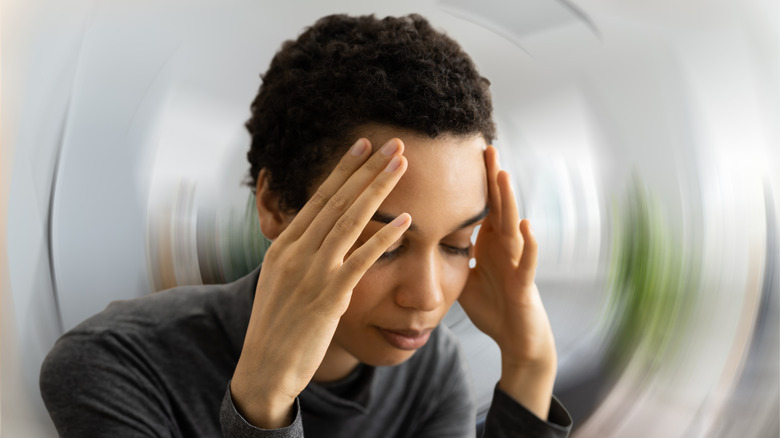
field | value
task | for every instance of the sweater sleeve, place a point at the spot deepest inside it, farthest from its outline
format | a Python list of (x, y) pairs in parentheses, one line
[(505, 419), (234, 425), (508, 418)]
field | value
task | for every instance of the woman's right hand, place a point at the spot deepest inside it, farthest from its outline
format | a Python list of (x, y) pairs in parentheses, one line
[(306, 282)]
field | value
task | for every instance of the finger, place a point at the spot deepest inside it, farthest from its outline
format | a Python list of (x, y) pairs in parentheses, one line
[(350, 225), (510, 217), (364, 256), (349, 163), (494, 199), (530, 254), (373, 174), (341, 198)]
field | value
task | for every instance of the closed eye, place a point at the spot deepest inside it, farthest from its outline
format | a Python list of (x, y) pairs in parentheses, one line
[(392, 254), (458, 250)]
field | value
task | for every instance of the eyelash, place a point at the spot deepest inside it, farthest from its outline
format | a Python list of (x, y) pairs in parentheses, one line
[(451, 250), (458, 251)]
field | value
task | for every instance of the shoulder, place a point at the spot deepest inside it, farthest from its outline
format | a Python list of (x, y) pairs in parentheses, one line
[(150, 363), (187, 317), (122, 364), (180, 305)]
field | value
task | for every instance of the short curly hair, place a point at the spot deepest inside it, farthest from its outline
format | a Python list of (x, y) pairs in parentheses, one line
[(345, 72)]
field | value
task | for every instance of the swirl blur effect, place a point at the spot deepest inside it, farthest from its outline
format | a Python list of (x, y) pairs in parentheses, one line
[(642, 137)]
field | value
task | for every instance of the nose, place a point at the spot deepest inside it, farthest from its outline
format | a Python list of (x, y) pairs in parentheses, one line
[(422, 287)]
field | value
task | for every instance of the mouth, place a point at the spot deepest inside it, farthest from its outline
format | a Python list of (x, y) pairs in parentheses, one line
[(405, 339)]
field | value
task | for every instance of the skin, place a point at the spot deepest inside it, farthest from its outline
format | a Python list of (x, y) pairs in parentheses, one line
[(371, 291)]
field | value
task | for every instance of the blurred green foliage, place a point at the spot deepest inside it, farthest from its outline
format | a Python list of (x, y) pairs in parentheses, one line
[(654, 282)]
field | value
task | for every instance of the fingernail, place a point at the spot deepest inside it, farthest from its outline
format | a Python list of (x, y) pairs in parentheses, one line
[(359, 147), (390, 147), (393, 164), (401, 220)]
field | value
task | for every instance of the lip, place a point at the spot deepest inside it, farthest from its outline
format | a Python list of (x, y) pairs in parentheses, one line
[(406, 339)]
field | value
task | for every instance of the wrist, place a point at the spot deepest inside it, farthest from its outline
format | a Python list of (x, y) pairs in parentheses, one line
[(261, 408), (529, 384)]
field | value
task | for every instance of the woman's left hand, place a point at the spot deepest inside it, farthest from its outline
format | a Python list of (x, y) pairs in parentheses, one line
[(502, 300)]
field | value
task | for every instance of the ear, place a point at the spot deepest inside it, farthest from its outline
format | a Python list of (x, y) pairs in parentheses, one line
[(272, 219)]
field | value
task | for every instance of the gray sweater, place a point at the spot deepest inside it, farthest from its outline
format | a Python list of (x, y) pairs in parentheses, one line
[(160, 366)]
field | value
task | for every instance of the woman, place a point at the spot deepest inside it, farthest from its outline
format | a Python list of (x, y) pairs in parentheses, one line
[(371, 168)]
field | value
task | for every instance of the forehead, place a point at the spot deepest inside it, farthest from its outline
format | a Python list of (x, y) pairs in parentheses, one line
[(445, 182)]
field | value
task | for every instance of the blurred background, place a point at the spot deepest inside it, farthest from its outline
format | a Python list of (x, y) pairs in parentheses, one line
[(642, 135)]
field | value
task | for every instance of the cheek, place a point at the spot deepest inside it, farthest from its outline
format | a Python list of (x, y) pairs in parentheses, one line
[(370, 292), (455, 275)]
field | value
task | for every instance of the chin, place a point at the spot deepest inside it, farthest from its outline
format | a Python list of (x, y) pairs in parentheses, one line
[(389, 358)]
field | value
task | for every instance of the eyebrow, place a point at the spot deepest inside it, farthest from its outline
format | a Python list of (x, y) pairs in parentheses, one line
[(387, 218)]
